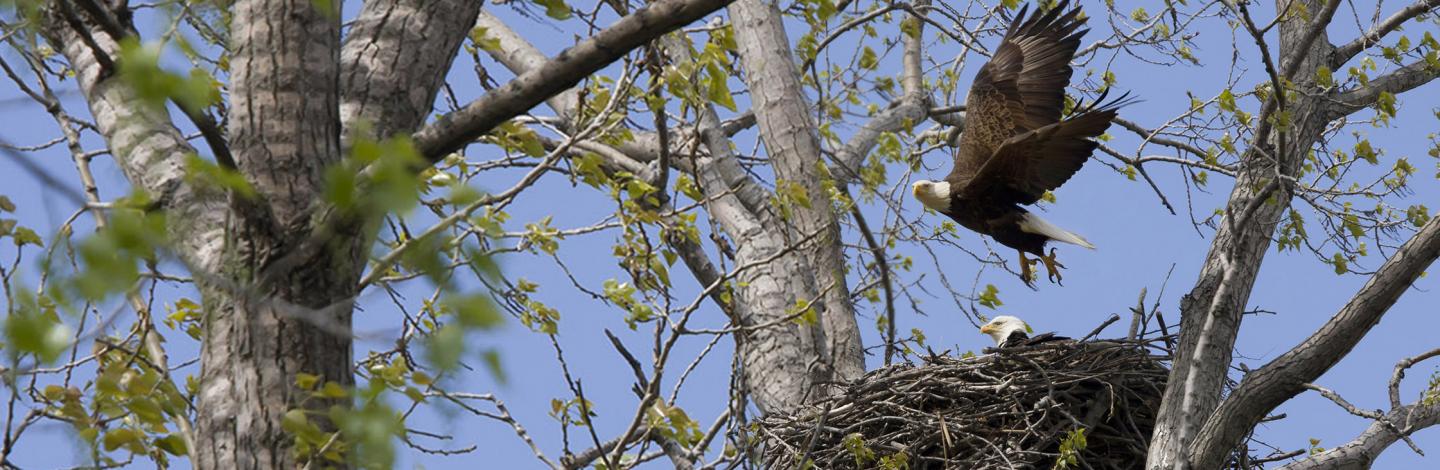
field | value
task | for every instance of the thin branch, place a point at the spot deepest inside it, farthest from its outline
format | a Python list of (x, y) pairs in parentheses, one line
[(453, 131), (1344, 53), (1262, 390), (1398, 81)]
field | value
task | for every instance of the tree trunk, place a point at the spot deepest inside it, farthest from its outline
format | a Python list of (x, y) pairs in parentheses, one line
[(272, 322), (1211, 312), (793, 144)]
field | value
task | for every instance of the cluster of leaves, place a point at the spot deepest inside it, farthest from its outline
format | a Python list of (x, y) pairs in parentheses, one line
[(865, 457), (1070, 448), (364, 425), (129, 405), (140, 69)]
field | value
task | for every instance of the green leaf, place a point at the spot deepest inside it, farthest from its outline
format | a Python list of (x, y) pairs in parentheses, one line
[(1324, 77), (54, 392), (206, 172), (1139, 14), (556, 9), (333, 390), (295, 422), (1227, 100), (1364, 151), (492, 364), (445, 347), (868, 59), (24, 236), (140, 69), (482, 39), (475, 311), (120, 437), (6, 205), (173, 444), (33, 330), (306, 381), (990, 297), (144, 408), (717, 87)]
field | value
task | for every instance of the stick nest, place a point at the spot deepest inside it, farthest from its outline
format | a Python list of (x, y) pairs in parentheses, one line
[(1013, 408)]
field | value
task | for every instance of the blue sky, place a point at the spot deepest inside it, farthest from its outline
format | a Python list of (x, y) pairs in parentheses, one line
[(1139, 243)]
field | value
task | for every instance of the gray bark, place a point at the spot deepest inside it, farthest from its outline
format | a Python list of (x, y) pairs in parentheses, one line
[(1212, 309), (1190, 430), (1360, 453), (284, 131), (395, 58), (783, 361), (1281, 379), (792, 141), (149, 150)]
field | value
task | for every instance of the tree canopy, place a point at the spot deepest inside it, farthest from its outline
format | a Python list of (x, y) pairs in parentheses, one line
[(263, 234)]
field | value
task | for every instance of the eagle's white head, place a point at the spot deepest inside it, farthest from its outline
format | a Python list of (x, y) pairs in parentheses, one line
[(933, 194), (1000, 328)]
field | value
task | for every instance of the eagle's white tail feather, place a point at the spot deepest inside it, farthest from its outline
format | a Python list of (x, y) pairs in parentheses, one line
[(1032, 223)]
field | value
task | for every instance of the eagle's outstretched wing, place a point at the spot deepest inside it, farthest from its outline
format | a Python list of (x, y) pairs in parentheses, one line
[(1039, 160), (1021, 88)]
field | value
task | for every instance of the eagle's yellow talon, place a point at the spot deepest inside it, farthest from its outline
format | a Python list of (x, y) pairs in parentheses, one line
[(1027, 273), (1052, 267)]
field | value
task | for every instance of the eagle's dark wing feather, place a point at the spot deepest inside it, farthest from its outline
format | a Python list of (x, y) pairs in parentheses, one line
[(1040, 160), (1020, 339), (1047, 44), (1021, 88)]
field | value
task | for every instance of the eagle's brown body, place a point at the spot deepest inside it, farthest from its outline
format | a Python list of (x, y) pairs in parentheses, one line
[(1015, 146)]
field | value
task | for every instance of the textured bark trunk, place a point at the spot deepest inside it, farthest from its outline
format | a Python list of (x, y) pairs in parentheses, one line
[(1211, 312), (793, 144), (1264, 389), (1360, 453), (782, 360), (260, 333)]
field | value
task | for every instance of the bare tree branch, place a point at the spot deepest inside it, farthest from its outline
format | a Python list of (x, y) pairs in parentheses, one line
[(1404, 79), (1262, 390), (454, 131), (1402, 420), (148, 149), (1344, 53)]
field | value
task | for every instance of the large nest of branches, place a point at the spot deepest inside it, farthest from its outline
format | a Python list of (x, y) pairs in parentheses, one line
[(1022, 407)]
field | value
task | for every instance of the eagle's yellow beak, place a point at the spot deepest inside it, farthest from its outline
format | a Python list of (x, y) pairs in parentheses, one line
[(986, 329), (915, 189)]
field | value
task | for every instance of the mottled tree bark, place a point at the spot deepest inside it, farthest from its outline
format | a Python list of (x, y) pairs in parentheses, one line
[(287, 113), (1281, 379), (1190, 431), (792, 142), (1361, 452), (284, 131), (1217, 301)]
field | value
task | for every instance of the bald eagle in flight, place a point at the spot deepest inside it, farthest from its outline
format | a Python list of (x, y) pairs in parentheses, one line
[(1009, 332), (1015, 147)]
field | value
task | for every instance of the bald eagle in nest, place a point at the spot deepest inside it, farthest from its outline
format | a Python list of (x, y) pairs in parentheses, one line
[(1009, 332), (1015, 146)]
